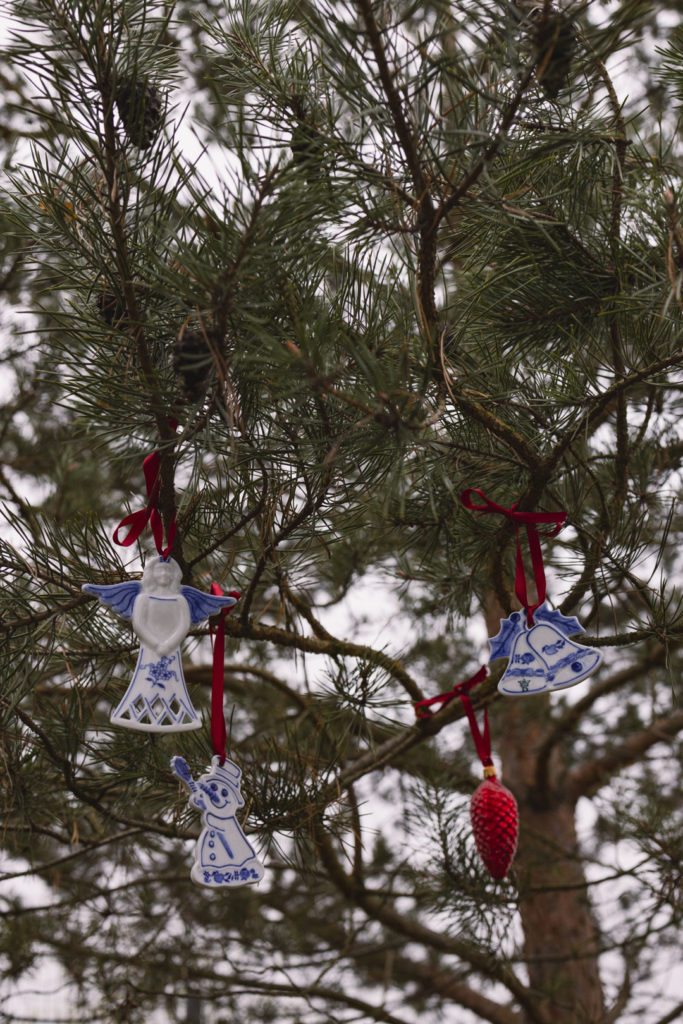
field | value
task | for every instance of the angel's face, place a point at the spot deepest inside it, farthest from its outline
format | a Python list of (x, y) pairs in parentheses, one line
[(162, 576)]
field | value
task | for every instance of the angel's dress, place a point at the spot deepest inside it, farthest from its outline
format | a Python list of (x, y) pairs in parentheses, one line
[(157, 697), (223, 855)]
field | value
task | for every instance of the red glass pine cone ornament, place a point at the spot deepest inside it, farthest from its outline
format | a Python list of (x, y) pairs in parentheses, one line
[(493, 808), (493, 811)]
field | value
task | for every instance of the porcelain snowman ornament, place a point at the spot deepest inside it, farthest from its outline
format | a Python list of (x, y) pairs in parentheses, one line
[(223, 854), (161, 613)]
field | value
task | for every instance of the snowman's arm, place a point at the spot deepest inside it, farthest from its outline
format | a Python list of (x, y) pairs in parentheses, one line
[(180, 767)]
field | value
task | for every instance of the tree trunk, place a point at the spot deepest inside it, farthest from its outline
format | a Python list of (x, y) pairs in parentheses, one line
[(560, 931)]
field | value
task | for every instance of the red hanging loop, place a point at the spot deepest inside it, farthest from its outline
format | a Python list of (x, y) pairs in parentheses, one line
[(446, 698), (482, 740), (530, 520), (137, 521), (218, 731)]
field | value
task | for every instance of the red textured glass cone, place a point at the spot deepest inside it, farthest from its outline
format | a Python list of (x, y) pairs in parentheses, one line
[(493, 810)]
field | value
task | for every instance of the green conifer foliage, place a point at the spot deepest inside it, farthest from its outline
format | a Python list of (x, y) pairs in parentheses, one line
[(366, 255)]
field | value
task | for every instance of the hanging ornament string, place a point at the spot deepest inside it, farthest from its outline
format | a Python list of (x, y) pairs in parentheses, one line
[(482, 740), (137, 521), (218, 732), (446, 698), (531, 520)]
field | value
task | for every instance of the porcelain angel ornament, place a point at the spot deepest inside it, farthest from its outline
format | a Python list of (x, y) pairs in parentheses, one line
[(161, 613)]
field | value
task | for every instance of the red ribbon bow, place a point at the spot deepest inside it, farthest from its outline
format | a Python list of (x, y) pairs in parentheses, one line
[(218, 732), (137, 521), (482, 740), (530, 520)]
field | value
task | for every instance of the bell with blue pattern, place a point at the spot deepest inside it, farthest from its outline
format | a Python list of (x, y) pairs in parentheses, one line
[(568, 662), (541, 657), (526, 672)]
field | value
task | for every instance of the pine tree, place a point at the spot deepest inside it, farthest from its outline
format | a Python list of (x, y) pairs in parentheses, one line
[(366, 256)]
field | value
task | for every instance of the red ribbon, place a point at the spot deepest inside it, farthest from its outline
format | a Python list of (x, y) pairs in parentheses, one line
[(482, 740), (219, 735), (530, 520), (137, 521)]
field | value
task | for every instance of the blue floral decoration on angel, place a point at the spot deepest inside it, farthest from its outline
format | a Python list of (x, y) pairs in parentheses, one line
[(161, 613)]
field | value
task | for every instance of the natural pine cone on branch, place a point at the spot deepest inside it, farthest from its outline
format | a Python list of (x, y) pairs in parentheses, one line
[(555, 40), (141, 108), (196, 353), (111, 308), (553, 37)]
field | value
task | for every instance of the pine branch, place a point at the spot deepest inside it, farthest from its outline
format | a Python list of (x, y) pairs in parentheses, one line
[(672, 1016), (308, 992), (76, 855), (591, 419), (592, 776), (74, 786), (235, 530), (548, 253), (202, 674), (403, 129), (314, 645), (509, 436), (388, 746), (311, 505), (116, 211), (576, 712), (621, 461), (96, 892), (670, 638), (434, 978), (415, 931), (427, 220), (491, 151), (9, 625), (305, 611)]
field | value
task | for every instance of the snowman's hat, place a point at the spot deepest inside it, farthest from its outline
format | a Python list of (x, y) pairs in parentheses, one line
[(228, 772)]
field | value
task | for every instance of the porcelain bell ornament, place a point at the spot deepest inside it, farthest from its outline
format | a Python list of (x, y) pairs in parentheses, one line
[(541, 657)]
